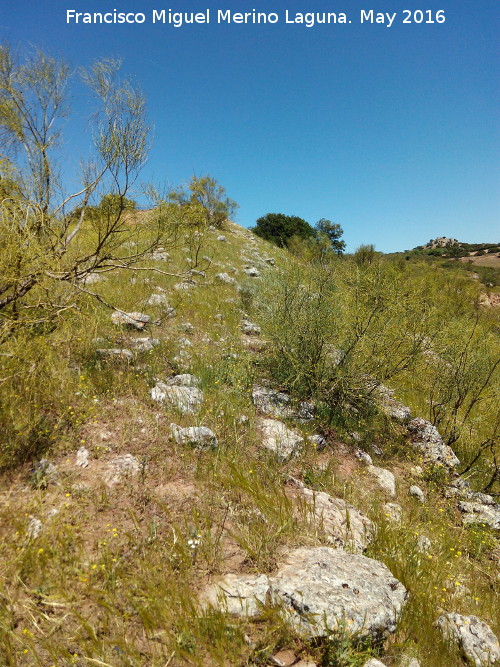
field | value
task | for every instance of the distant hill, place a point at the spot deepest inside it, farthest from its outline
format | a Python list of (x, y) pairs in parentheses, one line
[(485, 254), (449, 247)]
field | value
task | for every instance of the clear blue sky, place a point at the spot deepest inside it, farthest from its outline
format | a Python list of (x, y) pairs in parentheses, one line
[(391, 132)]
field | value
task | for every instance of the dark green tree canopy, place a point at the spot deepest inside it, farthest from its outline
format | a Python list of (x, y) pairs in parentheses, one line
[(279, 228)]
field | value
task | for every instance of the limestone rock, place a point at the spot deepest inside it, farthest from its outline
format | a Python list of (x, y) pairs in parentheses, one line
[(116, 353), (252, 271), (35, 527), (82, 457), (238, 594), (185, 286), (157, 300), (475, 512), (416, 492), (474, 638), (423, 544), (92, 278), (409, 662), (200, 437), (184, 380), (278, 438), (363, 457), (160, 255), (346, 526), (221, 238), (322, 585), (187, 400), (143, 343), (45, 472), (373, 662), (131, 320), (120, 468), (225, 278), (318, 441), (427, 439), (393, 512), (390, 406), (250, 329), (384, 478), (278, 404)]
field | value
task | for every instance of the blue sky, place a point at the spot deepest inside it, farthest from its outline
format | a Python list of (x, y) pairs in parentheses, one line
[(391, 132)]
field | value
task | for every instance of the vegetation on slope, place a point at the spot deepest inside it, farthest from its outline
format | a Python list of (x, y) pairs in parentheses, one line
[(99, 573)]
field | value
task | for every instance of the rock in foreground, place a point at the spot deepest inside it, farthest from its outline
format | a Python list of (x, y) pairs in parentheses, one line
[(322, 588)]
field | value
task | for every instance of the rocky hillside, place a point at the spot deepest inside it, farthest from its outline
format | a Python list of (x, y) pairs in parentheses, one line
[(188, 509), (483, 254)]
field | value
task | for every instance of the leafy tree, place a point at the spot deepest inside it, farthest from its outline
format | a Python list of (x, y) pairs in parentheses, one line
[(204, 202), (280, 228), (46, 251), (333, 232)]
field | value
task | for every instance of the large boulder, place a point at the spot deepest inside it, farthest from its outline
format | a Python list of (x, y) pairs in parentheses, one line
[(281, 440), (345, 525), (473, 637), (427, 439), (322, 589), (278, 404)]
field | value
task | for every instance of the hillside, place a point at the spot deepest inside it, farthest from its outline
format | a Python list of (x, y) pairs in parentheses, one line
[(238, 464), (482, 254)]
